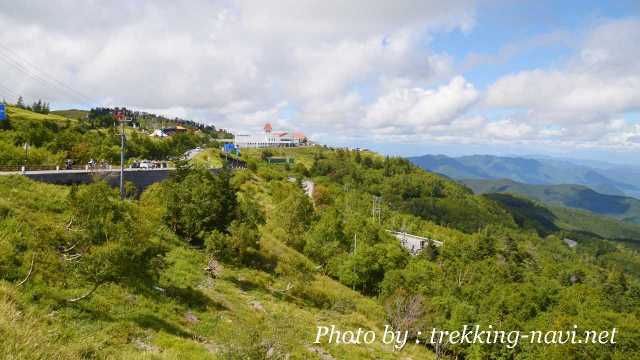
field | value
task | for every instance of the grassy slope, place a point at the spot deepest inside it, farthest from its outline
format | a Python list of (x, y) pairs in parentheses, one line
[(19, 115), (242, 313), (302, 155), (574, 196), (209, 158), (72, 113)]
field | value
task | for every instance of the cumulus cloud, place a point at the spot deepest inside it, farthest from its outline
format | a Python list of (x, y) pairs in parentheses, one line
[(416, 109), (602, 78), (582, 102), (228, 62), (331, 68)]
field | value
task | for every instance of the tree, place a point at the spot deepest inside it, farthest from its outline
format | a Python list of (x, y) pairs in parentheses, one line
[(429, 252), (20, 103), (326, 237), (293, 214), (115, 243), (364, 269), (199, 203), (240, 247), (184, 167), (37, 106), (358, 157), (404, 311), (485, 245)]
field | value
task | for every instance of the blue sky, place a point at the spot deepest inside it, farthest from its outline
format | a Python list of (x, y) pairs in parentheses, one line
[(504, 24), (403, 77)]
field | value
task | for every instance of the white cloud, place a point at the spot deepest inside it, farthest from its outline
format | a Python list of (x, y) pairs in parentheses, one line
[(568, 93), (507, 129), (352, 68), (229, 62), (603, 78), (418, 110)]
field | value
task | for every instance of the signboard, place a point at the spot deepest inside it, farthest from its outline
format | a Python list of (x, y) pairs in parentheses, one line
[(2, 113)]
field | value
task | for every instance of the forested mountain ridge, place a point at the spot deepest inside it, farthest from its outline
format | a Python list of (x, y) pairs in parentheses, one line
[(528, 171), (623, 208), (245, 265)]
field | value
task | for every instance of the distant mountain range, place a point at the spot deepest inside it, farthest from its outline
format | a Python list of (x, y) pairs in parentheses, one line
[(603, 178), (623, 208)]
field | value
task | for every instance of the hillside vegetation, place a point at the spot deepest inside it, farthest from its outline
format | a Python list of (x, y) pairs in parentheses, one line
[(54, 138), (547, 220), (623, 208), (178, 312), (246, 265)]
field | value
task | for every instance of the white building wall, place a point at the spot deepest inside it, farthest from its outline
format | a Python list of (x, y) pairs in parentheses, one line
[(263, 141)]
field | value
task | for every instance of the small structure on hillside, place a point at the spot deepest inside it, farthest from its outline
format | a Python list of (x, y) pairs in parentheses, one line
[(413, 243), (280, 160), (165, 132), (158, 133)]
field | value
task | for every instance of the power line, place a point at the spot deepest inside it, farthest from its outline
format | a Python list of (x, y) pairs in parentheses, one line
[(29, 73), (28, 62), (25, 71), (29, 69), (9, 91)]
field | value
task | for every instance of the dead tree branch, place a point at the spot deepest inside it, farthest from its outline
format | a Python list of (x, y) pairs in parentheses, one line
[(66, 250), (95, 287), (33, 257), (71, 257), (68, 226)]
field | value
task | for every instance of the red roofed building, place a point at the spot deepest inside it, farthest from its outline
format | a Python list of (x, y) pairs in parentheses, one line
[(269, 138)]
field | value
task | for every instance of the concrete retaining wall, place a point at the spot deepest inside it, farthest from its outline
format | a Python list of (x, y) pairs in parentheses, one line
[(142, 179)]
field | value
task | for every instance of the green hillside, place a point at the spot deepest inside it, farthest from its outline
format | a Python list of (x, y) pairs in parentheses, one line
[(246, 265), (553, 219), (53, 138), (72, 113), (623, 208), (179, 313)]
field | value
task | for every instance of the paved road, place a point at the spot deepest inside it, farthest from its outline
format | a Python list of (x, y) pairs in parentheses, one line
[(193, 152)]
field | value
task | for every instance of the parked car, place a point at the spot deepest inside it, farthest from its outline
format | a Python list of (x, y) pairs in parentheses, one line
[(146, 164)]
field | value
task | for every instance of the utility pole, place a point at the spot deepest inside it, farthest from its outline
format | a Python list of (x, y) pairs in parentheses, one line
[(26, 154), (376, 209), (355, 245), (120, 116)]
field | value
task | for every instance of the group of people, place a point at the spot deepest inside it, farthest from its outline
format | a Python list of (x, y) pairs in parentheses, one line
[(91, 164)]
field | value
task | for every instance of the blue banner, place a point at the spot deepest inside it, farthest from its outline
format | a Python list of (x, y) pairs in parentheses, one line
[(2, 115)]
